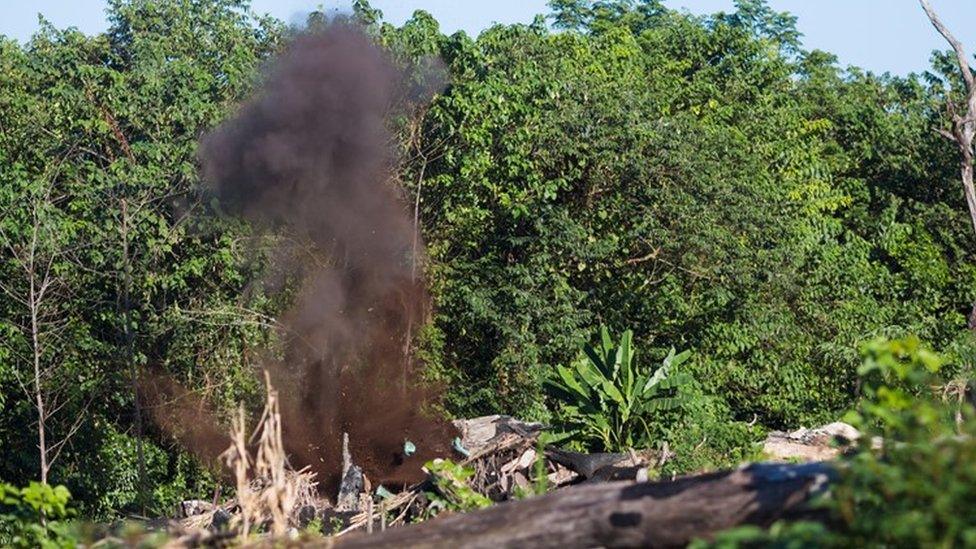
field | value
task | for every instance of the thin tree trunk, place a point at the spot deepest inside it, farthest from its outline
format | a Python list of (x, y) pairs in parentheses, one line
[(44, 386), (966, 169), (963, 125), (38, 392), (33, 302), (130, 352)]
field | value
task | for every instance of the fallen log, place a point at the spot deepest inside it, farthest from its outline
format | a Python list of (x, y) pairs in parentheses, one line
[(622, 514)]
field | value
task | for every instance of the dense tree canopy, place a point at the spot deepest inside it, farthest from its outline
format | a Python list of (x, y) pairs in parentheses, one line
[(703, 181)]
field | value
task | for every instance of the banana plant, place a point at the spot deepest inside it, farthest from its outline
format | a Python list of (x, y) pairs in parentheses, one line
[(607, 397)]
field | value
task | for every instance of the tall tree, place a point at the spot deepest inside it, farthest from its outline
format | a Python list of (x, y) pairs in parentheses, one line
[(35, 247), (963, 120)]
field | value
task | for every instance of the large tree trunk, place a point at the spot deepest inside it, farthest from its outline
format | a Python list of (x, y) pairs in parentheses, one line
[(967, 186), (622, 514), (970, 192)]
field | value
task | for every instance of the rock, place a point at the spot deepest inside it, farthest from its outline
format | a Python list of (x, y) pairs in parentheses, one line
[(221, 518), (306, 514), (840, 430), (353, 481), (194, 507), (350, 489)]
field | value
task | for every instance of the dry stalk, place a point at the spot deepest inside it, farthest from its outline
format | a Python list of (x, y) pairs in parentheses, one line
[(279, 496), (238, 460), (267, 490)]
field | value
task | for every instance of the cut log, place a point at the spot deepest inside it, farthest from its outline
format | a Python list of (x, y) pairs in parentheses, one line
[(623, 514), (478, 432)]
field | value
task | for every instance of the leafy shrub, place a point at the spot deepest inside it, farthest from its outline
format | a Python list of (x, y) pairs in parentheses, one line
[(912, 482), (606, 397), (897, 378), (918, 487), (704, 435), (35, 516), (452, 492), (104, 479), (781, 535)]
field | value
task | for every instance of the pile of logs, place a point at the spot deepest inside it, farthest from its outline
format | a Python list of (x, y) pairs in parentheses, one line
[(603, 500)]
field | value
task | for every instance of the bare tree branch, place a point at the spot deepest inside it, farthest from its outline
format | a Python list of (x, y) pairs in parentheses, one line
[(963, 126), (78, 422), (961, 58), (946, 133)]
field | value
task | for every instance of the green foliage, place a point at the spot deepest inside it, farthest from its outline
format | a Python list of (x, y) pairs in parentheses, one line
[(452, 491), (607, 399), (908, 492), (99, 139), (781, 535), (914, 473), (704, 436), (680, 175), (911, 493), (897, 378), (314, 527), (35, 516), (704, 179), (108, 479)]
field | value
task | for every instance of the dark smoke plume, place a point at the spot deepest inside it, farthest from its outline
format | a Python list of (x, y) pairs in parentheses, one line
[(310, 155)]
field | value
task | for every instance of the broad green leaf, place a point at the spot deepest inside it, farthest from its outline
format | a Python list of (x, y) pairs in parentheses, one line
[(590, 374), (623, 362), (607, 345), (598, 361), (571, 383)]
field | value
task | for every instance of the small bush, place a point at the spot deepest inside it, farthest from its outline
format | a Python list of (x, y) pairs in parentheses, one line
[(35, 516), (918, 488), (704, 435), (606, 397), (451, 489)]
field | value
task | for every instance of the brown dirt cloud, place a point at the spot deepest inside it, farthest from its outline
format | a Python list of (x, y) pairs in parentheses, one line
[(310, 155)]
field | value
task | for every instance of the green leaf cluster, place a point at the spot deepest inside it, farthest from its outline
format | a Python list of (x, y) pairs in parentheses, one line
[(451, 489), (915, 470), (36, 516), (98, 167), (913, 475), (607, 398)]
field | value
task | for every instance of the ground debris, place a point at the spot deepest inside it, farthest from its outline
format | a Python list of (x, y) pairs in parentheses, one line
[(504, 455), (808, 445), (507, 459)]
